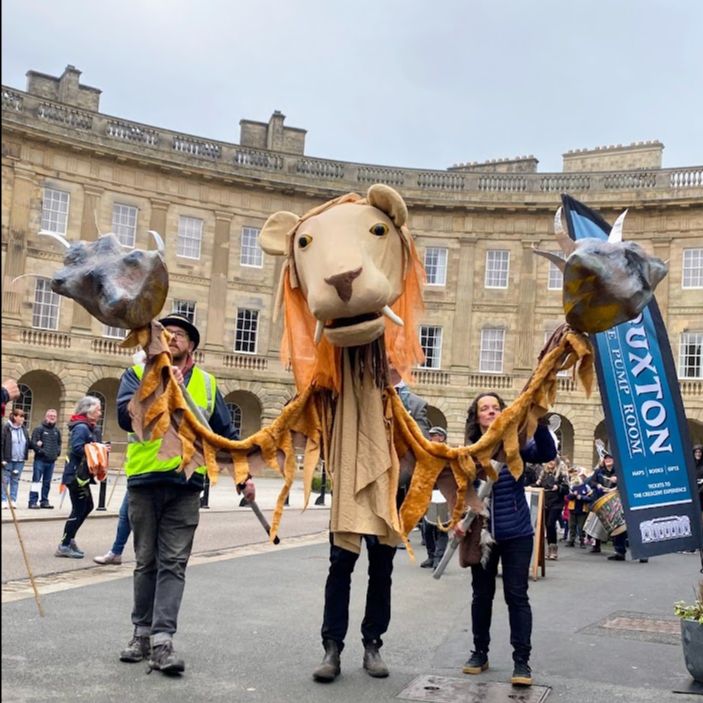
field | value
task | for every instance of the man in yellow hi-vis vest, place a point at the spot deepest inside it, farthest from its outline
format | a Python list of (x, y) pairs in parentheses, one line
[(164, 507)]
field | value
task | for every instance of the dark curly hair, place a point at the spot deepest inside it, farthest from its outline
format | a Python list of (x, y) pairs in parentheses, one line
[(472, 430)]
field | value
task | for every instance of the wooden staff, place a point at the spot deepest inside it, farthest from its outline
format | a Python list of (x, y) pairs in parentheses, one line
[(24, 553)]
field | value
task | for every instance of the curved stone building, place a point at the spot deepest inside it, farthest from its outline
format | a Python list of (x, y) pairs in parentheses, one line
[(68, 168)]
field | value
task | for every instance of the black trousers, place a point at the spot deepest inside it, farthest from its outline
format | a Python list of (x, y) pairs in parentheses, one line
[(377, 616), (81, 507)]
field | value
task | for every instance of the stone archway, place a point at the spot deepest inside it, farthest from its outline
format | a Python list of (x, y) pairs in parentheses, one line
[(106, 390), (436, 417), (565, 436), (601, 432), (249, 407), (47, 392)]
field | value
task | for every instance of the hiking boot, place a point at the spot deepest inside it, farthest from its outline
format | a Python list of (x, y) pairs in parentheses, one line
[(594, 550), (138, 649), (68, 551), (46, 506), (164, 659), (476, 663), (109, 558), (76, 548), (374, 665), (33, 506), (570, 543), (522, 674), (427, 564), (329, 666), (616, 557)]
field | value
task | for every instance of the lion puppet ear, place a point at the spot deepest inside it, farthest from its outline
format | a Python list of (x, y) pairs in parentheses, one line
[(272, 237), (389, 201)]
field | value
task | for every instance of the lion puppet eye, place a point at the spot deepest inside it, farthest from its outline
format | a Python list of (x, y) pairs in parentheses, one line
[(304, 241), (379, 229)]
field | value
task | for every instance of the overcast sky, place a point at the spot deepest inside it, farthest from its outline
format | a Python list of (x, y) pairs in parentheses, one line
[(414, 83)]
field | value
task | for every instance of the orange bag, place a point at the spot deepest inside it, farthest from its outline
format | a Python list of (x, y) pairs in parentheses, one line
[(96, 456)]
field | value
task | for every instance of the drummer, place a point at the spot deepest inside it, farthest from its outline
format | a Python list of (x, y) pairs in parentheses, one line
[(603, 481)]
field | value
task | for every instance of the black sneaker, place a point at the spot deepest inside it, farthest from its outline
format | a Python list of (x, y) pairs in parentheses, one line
[(522, 674), (616, 557), (476, 663), (427, 564), (164, 659), (139, 648)]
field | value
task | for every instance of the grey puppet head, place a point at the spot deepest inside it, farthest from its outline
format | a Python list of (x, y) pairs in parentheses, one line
[(605, 282), (121, 288)]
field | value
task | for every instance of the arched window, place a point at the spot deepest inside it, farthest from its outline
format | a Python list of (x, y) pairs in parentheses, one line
[(235, 413), (101, 398), (24, 402)]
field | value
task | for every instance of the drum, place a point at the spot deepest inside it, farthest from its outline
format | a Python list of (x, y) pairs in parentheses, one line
[(609, 510), (593, 527)]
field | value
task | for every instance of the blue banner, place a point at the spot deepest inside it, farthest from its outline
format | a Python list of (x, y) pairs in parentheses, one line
[(645, 420)]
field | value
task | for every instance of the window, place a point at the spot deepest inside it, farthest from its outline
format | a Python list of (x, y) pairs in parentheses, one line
[(251, 253), (245, 337), (54, 210), (101, 422), (492, 342), (124, 224), (431, 343), (555, 280), (114, 332), (45, 313), (692, 268), (185, 308), (436, 266), (24, 402), (691, 355), (497, 268), (190, 236), (235, 412)]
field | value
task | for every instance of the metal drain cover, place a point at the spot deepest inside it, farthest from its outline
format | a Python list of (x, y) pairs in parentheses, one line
[(444, 689)]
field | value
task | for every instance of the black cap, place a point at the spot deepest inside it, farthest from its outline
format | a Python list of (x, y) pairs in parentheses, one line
[(185, 324), (438, 430)]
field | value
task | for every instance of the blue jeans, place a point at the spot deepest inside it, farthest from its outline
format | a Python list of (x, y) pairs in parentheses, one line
[(123, 527), (515, 555), (164, 519), (378, 593), (42, 471), (11, 479)]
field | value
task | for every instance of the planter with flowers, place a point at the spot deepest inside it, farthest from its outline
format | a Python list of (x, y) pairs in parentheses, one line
[(692, 633)]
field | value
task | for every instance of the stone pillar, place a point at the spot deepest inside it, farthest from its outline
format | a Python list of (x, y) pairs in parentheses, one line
[(157, 221), (524, 342), (462, 328), (82, 319), (16, 256), (217, 298), (662, 249)]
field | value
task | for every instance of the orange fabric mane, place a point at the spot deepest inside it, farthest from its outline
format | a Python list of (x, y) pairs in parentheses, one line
[(320, 364)]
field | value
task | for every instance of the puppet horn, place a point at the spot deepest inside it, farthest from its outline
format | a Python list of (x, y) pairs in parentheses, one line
[(57, 237), (392, 316), (615, 235)]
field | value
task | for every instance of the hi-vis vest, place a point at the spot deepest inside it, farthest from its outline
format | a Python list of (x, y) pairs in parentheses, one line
[(142, 456)]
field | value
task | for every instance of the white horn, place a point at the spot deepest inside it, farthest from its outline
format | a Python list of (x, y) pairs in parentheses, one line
[(160, 247), (24, 275), (565, 242), (615, 235), (319, 329), (57, 237), (392, 316)]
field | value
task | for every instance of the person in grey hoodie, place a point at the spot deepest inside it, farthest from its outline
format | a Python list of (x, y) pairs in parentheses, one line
[(15, 450)]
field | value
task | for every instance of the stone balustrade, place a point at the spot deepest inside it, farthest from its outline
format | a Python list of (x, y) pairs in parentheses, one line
[(45, 338), (422, 185), (242, 361)]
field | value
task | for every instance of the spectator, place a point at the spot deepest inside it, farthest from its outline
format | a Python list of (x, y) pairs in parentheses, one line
[(698, 461), (555, 488), (511, 527), (114, 556), (83, 429), (580, 495), (436, 539), (164, 507), (46, 443), (15, 451)]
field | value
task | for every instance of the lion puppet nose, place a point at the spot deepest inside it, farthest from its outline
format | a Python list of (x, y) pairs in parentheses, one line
[(343, 283)]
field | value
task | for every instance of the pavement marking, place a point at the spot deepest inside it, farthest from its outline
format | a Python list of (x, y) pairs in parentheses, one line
[(21, 589), (447, 689)]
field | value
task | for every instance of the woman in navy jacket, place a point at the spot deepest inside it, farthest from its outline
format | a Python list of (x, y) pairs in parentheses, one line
[(511, 528)]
